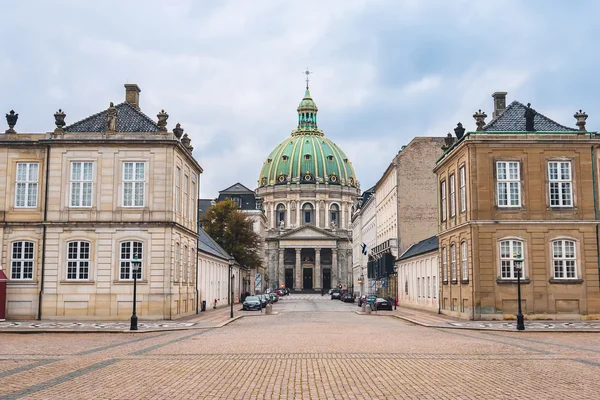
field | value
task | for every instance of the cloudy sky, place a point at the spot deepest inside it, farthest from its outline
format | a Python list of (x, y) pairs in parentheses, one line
[(231, 71)]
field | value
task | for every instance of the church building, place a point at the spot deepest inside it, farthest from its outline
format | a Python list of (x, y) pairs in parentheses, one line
[(308, 186)]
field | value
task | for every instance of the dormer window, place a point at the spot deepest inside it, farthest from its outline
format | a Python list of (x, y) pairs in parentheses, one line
[(330, 158), (346, 160), (281, 178), (269, 160), (307, 157), (308, 177), (284, 158)]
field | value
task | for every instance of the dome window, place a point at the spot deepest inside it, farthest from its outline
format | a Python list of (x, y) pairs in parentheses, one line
[(330, 158), (284, 158), (351, 180), (281, 178), (333, 178), (307, 157), (346, 160), (308, 176), (263, 181), (269, 161)]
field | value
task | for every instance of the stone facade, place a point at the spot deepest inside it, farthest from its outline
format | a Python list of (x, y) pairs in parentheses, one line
[(78, 206), (514, 197)]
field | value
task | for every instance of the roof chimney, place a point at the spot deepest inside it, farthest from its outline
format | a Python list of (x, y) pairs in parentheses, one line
[(499, 103), (132, 95)]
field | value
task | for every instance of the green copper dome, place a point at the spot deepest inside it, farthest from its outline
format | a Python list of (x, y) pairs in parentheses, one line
[(307, 156)]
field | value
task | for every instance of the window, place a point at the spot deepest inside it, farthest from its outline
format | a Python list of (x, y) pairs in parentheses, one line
[(193, 204), (81, 184), (508, 183), (463, 262), (418, 287), (508, 249), (134, 181), (443, 199), (434, 288), (129, 252), (453, 262), (561, 189), (177, 263), (308, 213), (452, 196), (177, 189), (185, 263), (428, 287), (78, 260), (281, 213), (27, 185), (563, 258), (463, 189), (444, 265), (334, 209), (22, 261), (185, 195)]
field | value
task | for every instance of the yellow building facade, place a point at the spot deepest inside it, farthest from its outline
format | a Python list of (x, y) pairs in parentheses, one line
[(81, 205), (521, 187)]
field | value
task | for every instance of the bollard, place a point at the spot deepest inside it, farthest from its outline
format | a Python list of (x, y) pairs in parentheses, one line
[(368, 309), (363, 307), (269, 309)]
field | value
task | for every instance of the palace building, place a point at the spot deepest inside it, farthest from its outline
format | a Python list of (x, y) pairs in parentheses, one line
[(308, 186), (87, 206)]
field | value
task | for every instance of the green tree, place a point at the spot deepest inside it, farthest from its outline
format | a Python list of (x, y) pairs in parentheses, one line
[(232, 230)]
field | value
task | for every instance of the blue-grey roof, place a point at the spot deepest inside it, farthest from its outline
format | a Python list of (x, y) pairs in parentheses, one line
[(206, 244), (422, 247), (129, 119), (513, 120)]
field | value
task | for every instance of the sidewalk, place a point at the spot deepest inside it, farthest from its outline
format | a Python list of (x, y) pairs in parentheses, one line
[(204, 320), (435, 320)]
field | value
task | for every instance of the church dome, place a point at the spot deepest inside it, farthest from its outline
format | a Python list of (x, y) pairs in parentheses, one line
[(307, 156)]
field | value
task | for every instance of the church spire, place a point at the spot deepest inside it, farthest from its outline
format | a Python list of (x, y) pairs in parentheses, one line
[(307, 110)]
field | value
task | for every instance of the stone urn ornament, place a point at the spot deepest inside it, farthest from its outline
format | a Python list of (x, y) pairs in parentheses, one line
[(580, 116), (11, 119), (59, 120), (480, 117), (178, 131), (162, 120)]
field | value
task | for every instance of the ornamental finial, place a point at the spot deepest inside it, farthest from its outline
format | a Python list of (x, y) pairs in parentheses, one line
[(307, 73)]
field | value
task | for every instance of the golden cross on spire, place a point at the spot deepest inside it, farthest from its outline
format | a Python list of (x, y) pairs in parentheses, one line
[(307, 73)]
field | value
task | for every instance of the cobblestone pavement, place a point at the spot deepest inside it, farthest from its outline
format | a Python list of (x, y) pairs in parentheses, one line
[(296, 354)]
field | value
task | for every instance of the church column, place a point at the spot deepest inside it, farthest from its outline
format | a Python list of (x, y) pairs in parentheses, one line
[(273, 217), (335, 276), (318, 273), (317, 217), (288, 215), (298, 214), (298, 283), (342, 216), (281, 268)]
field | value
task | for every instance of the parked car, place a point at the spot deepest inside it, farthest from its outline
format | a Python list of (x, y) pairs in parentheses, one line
[(364, 299), (330, 291), (263, 300), (336, 294), (279, 292), (274, 297), (252, 303), (348, 298), (383, 304)]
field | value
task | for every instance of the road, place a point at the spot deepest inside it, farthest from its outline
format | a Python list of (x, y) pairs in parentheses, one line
[(314, 348)]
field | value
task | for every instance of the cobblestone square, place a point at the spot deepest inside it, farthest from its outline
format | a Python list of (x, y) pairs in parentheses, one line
[(314, 348)]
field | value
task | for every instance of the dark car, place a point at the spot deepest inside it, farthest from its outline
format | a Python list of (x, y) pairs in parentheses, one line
[(364, 299), (348, 298), (263, 300), (274, 297), (336, 294), (383, 304), (252, 303)]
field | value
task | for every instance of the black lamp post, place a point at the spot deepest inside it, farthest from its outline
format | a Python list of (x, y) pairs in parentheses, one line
[(135, 265), (518, 261), (231, 277)]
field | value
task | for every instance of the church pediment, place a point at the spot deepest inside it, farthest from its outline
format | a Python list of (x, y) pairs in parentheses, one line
[(308, 232)]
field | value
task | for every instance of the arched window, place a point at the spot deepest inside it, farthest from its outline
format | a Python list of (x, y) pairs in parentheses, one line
[(308, 211), (78, 260), (21, 266), (334, 214), (509, 251), (131, 251), (564, 260), (280, 214)]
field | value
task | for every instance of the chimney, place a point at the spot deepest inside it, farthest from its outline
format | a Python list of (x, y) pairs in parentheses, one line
[(132, 95), (499, 103)]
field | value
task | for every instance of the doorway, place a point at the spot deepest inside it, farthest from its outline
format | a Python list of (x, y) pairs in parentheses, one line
[(307, 279), (326, 279), (289, 278)]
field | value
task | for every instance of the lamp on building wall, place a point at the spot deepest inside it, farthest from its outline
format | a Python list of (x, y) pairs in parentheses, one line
[(518, 262), (361, 279), (136, 263)]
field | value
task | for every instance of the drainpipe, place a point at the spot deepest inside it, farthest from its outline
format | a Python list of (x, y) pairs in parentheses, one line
[(44, 220), (596, 206), (197, 243)]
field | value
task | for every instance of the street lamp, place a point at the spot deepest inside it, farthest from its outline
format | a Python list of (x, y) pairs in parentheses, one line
[(518, 262), (135, 267), (395, 286)]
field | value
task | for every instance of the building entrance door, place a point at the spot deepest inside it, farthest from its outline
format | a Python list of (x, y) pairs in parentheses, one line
[(289, 278), (326, 279), (307, 282)]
